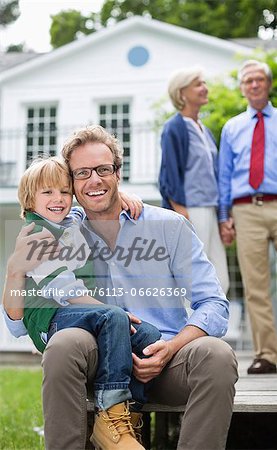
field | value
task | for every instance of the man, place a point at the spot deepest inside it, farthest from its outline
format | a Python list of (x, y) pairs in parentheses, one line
[(248, 185), (146, 267)]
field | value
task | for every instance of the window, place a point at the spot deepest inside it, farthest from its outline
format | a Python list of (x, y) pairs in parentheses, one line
[(41, 136), (115, 118)]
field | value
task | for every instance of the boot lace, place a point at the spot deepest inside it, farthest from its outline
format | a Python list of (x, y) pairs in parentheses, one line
[(121, 422), (138, 430)]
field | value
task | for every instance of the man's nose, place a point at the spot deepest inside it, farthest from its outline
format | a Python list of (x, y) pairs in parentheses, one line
[(94, 177)]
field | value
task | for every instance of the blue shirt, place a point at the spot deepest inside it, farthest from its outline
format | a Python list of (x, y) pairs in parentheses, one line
[(188, 173), (234, 158), (200, 183), (158, 261)]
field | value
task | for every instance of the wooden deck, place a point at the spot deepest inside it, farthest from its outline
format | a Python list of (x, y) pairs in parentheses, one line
[(254, 393)]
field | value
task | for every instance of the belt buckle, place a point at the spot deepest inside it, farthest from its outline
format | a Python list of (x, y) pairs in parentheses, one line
[(258, 199)]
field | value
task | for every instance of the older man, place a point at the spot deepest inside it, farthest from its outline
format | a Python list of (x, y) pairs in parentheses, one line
[(146, 267), (248, 185)]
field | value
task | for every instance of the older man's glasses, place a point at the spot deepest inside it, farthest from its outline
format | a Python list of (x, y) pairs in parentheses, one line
[(102, 171), (256, 80)]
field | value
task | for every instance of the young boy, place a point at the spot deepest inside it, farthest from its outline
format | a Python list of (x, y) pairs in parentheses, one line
[(45, 196)]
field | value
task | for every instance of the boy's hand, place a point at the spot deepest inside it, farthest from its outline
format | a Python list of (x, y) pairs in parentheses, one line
[(133, 319), (131, 203)]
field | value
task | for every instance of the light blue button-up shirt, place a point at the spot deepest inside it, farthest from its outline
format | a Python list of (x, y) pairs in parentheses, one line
[(234, 158), (158, 261), (200, 182)]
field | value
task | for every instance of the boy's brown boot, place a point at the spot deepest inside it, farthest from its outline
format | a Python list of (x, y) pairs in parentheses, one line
[(113, 430), (137, 424)]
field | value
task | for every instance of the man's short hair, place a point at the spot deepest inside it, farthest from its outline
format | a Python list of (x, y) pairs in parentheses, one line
[(44, 172), (93, 134), (179, 80), (260, 66)]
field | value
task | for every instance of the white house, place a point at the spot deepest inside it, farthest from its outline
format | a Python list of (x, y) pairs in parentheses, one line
[(113, 77)]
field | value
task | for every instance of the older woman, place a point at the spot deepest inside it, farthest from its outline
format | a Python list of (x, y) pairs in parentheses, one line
[(188, 175)]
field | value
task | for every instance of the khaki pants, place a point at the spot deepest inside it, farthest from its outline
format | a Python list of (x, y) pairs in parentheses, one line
[(256, 226), (201, 375)]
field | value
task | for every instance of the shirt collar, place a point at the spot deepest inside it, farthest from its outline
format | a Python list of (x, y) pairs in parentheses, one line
[(267, 111), (123, 217), (55, 228)]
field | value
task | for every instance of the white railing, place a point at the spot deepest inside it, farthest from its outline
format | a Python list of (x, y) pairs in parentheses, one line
[(142, 157)]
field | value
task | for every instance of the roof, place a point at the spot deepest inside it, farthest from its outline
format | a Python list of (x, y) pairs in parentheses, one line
[(135, 22), (256, 42), (12, 59)]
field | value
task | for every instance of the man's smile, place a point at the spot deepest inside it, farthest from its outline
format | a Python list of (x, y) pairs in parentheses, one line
[(96, 193)]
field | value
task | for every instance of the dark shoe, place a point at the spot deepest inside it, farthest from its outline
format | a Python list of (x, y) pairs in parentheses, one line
[(260, 365)]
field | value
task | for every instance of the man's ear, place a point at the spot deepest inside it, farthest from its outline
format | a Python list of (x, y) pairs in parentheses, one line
[(242, 89), (118, 175)]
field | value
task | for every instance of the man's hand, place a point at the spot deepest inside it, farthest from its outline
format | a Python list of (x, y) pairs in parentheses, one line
[(227, 231), (160, 353), (21, 262)]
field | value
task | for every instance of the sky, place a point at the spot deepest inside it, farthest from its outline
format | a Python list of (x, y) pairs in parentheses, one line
[(33, 24)]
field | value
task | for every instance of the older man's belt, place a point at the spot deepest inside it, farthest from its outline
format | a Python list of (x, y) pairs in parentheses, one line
[(257, 199)]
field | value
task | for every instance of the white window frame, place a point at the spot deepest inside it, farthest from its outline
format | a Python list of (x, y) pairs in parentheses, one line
[(41, 130), (114, 115)]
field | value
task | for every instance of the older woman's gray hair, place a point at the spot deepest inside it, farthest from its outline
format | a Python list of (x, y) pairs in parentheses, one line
[(179, 80), (260, 66)]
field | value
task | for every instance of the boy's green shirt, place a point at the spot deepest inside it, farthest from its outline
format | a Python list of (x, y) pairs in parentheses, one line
[(39, 311)]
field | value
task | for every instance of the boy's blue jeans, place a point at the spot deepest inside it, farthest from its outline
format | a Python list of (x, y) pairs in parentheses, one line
[(110, 325)]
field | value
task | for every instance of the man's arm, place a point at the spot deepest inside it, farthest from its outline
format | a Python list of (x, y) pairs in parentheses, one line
[(18, 265), (192, 270), (180, 209), (226, 224), (13, 307)]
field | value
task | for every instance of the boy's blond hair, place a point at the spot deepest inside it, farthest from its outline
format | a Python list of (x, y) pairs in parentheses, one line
[(42, 173)]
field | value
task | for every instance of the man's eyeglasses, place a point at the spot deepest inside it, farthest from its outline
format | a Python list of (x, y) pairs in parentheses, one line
[(102, 171), (249, 81)]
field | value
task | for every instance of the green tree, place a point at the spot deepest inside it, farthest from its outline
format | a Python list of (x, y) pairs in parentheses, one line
[(226, 101), (9, 12), (68, 25), (221, 18), (19, 48)]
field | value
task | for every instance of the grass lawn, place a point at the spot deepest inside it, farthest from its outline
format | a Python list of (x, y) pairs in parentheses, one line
[(20, 408)]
